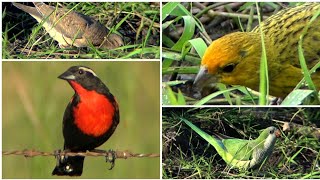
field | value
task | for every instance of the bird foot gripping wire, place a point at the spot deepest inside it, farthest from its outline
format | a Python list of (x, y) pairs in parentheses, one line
[(60, 157), (110, 155), (57, 155)]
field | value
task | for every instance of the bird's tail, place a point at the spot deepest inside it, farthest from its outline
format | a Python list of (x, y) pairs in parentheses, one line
[(69, 166), (217, 143), (28, 9)]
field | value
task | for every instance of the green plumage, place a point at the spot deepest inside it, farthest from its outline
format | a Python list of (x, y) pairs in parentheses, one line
[(240, 153)]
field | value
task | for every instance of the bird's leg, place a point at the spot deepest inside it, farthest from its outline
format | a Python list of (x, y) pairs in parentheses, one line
[(70, 50), (60, 158), (57, 156), (110, 156)]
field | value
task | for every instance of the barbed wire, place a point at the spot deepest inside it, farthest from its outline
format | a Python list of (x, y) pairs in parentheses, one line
[(95, 153)]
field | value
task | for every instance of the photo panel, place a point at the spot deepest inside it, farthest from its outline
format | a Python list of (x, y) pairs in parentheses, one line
[(81, 30), (241, 53), (243, 142), (95, 119), (77, 106)]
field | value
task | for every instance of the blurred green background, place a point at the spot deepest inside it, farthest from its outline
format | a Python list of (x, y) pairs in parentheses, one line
[(34, 100)]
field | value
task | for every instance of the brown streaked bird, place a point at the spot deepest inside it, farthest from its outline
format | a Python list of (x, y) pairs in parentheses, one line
[(71, 28)]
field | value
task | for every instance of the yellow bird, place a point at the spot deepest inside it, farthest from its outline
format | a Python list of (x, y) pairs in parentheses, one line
[(234, 59)]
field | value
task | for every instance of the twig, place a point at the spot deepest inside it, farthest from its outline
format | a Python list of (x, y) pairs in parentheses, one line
[(119, 154)]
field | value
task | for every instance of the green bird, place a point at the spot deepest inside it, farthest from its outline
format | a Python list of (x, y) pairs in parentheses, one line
[(240, 153)]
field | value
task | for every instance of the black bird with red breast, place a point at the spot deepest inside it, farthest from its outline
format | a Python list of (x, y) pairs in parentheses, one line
[(89, 120)]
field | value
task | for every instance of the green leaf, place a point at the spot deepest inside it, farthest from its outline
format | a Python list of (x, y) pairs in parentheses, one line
[(181, 99), (199, 45), (296, 97), (168, 8), (213, 95), (188, 31), (169, 97)]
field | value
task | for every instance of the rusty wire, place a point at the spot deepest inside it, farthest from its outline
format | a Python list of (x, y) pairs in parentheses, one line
[(119, 154)]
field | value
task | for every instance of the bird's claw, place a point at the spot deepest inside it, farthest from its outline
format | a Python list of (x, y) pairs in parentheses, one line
[(60, 157), (111, 157), (57, 155)]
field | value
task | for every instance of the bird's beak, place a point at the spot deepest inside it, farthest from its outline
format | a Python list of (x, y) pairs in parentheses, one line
[(203, 77), (67, 76), (278, 133)]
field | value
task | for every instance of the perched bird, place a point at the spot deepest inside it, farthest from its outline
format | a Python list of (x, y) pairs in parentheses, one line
[(89, 120), (71, 28), (240, 153), (234, 59)]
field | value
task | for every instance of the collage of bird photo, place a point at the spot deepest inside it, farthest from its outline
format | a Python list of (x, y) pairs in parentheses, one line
[(160, 90)]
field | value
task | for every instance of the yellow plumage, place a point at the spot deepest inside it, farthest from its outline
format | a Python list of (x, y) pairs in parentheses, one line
[(235, 58)]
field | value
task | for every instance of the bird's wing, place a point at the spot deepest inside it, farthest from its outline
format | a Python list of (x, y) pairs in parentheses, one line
[(296, 24), (240, 149)]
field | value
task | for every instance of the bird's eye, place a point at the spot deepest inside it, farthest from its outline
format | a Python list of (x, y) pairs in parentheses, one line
[(271, 131), (81, 71), (228, 68), (243, 53)]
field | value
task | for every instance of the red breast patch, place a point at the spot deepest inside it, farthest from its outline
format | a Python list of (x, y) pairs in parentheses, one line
[(94, 113)]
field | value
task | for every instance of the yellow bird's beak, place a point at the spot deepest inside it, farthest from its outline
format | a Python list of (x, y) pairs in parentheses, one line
[(203, 78)]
